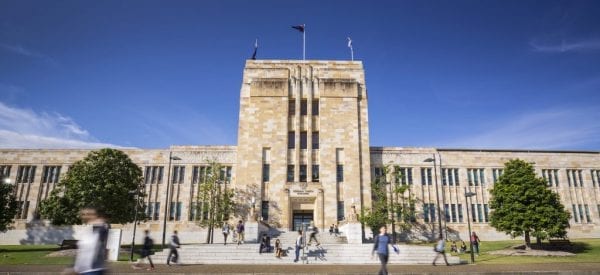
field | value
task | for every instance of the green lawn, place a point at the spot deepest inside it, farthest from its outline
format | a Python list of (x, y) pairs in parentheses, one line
[(586, 250)]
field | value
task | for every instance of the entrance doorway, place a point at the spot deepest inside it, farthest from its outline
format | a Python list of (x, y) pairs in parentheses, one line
[(301, 217)]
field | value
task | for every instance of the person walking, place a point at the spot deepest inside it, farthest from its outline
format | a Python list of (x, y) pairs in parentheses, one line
[(381, 247), (225, 232), (146, 251), (299, 242), (440, 249), (336, 230), (240, 232), (91, 248), (331, 230), (173, 245), (312, 230), (475, 241)]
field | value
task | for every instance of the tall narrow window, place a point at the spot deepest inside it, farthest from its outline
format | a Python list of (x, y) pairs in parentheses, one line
[(5, 170), (303, 141), (460, 213), (447, 212), (303, 108), (473, 213), (588, 218), (264, 210), (340, 173), (340, 211), (315, 107), (575, 218), (292, 107), (315, 140), (453, 212), (266, 172), (291, 140), (595, 177), (404, 175), (485, 212), (302, 172), (290, 173), (315, 173), (426, 176), (178, 174)]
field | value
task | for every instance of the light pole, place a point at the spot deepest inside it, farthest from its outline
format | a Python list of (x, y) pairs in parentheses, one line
[(392, 208), (444, 195), (137, 201), (469, 195), (437, 194), (253, 209), (167, 200)]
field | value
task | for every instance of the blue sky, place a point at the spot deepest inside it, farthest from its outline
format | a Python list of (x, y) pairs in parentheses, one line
[(149, 74)]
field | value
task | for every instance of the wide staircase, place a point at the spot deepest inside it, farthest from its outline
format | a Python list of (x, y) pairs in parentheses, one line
[(332, 250)]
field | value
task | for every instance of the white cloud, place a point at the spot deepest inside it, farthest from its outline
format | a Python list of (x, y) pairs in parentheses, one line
[(550, 129), (23, 128), (20, 50), (564, 46)]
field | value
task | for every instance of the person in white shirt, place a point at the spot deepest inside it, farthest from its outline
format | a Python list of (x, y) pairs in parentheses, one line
[(440, 248), (91, 248), (299, 241)]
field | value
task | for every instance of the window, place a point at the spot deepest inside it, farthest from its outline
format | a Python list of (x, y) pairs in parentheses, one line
[(551, 176), (178, 174), (428, 212), (199, 174), (580, 213), (479, 213), (426, 176), (450, 176), (50, 174), (315, 140), (303, 107), (447, 212), (379, 176), (598, 206), (315, 173), (292, 107), (303, 141), (25, 174), (266, 172), (156, 210), (588, 218), (595, 177), (5, 170), (404, 175), (475, 176), (264, 210), (460, 213), (290, 173), (485, 212), (496, 173), (315, 107), (302, 172), (225, 174), (339, 173), (175, 213), (453, 210), (575, 213), (291, 140), (154, 174), (473, 213), (575, 177), (193, 211), (22, 209), (153, 210), (340, 211)]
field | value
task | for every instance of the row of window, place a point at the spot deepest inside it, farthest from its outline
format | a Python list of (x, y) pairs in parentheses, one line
[(153, 211), (266, 173), (454, 212), (476, 176), (303, 140), (584, 211), (154, 174), (303, 107)]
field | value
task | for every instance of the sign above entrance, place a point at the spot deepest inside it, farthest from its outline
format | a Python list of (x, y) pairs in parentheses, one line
[(301, 192)]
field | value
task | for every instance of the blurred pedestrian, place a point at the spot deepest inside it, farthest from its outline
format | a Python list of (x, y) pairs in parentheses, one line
[(240, 232), (299, 242), (225, 230), (380, 246), (277, 248), (146, 251), (173, 245), (475, 241), (312, 230), (91, 248), (440, 249)]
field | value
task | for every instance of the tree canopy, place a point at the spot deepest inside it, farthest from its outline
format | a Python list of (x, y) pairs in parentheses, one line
[(8, 204), (106, 179), (216, 200), (523, 205)]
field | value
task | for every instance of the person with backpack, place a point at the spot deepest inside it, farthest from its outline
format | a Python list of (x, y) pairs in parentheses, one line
[(240, 232), (173, 245), (312, 230), (146, 251)]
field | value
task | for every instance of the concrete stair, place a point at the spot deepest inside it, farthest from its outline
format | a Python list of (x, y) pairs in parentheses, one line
[(326, 253)]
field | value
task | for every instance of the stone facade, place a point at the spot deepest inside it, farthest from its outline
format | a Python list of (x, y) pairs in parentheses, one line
[(303, 154)]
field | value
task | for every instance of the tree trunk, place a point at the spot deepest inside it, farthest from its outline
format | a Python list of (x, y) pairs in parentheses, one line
[(527, 241), (538, 241)]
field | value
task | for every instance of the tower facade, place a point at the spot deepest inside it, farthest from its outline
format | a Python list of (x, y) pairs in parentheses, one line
[(303, 140)]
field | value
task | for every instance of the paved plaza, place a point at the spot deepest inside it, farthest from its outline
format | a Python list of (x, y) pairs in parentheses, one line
[(546, 268)]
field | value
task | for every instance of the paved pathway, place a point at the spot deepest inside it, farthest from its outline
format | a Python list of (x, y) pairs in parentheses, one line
[(546, 268)]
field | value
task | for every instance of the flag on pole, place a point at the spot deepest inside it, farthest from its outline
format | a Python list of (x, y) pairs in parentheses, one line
[(349, 43), (255, 49), (351, 49), (299, 27)]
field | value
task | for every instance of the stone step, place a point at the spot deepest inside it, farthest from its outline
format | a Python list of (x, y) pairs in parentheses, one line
[(325, 254)]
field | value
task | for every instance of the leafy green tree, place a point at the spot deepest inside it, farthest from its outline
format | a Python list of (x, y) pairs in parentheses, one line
[(106, 179), (217, 202), (523, 205), (8, 204)]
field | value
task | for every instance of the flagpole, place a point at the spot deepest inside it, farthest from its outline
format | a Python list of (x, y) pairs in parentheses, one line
[(304, 43), (352, 53)]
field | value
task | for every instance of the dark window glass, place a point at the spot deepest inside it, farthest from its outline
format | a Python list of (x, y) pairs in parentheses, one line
[(303, 108), (303, 141), (266, 172), (340, 211), (265, 210), (315, 107), (292, 107), (291, 140), (340, 173), (302, 173), (290, 173), (315, 140), (315, 173)]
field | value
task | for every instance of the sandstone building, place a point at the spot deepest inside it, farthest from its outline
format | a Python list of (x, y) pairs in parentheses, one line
[(303, 152)]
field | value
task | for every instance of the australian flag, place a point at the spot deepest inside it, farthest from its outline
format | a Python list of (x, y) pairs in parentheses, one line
[(299, 27)]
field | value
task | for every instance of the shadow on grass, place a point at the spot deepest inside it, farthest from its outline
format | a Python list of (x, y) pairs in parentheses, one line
[(19, 249)]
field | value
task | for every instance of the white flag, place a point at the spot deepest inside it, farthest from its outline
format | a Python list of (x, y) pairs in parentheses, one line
[(349, 42)]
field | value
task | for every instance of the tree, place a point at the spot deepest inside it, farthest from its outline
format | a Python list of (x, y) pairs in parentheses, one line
[(522, 205), (8, 203), (216, 199), (106, 179)]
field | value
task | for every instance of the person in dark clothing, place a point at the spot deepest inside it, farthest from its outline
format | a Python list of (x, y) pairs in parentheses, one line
[(264, 244), (381, 247), (173, 245), (146, 251), (475, 241)]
